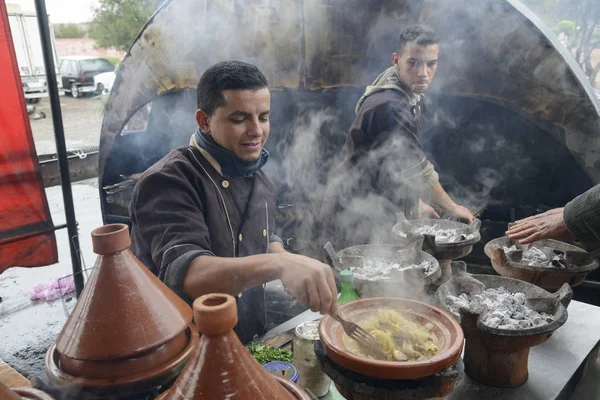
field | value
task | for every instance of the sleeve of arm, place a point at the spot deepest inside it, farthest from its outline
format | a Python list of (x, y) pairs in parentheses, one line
[(169, 215), (582, 216)]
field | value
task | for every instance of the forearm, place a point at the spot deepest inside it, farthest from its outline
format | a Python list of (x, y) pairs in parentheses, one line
[(582, 216), (208, 274), (440, 198)]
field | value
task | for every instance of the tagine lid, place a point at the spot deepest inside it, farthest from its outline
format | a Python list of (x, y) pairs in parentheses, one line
[(7, 394), (222, 367), (124, 309)]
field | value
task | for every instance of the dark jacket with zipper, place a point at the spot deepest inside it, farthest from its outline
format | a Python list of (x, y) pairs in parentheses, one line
[(182, 207)]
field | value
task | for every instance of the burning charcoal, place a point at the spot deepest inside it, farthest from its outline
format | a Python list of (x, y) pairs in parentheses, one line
[(506, 310), (494, 322)]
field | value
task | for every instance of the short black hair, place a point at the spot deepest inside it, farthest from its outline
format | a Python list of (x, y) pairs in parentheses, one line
[(227, 75), (421, 34)]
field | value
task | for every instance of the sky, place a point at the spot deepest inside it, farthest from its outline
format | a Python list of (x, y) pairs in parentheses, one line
[(63, 11)]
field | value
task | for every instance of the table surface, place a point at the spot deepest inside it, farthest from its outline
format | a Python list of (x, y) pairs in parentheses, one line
[(552, 365)]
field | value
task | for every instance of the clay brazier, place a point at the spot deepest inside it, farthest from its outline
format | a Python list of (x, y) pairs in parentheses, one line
[(127, 332), (22, 394), (221, 367)]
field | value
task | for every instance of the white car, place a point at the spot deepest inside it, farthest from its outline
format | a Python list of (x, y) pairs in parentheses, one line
[(103, 82)]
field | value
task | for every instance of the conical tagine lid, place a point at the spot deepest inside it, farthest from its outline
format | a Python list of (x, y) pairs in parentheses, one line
[(221, 367), (124, 310)]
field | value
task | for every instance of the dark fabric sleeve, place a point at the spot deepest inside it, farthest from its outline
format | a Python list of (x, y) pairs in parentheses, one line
[(582, 216), (275, 239), (168, 214), (173, 274)]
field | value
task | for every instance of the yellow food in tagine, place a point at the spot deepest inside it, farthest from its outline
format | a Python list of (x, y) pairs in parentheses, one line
[(399, 338)]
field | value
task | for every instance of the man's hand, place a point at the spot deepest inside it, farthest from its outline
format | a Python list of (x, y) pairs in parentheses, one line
[(461, 213), (426, 211), (310, 281), (548, 225)]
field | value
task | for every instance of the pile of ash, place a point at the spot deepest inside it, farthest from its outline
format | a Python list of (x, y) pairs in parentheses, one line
[(506, 310)]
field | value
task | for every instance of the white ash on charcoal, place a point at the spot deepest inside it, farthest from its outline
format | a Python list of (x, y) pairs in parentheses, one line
[(506, 310), (445, 235), (380, 269), (544, 257)]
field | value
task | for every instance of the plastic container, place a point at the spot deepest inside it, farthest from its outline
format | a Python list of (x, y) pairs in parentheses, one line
[(283, 369)]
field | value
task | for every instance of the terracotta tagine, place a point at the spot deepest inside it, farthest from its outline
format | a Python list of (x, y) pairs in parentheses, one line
[(449, 332), (128, 332), (495, 356), (412, 282), (7, 394), (22, 394), (353, 386), (221, 367)]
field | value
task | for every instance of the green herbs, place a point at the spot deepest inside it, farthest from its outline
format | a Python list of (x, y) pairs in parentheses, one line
[(264, 353)]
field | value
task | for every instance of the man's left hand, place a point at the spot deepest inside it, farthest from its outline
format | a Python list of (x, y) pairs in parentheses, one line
[(462, 214)]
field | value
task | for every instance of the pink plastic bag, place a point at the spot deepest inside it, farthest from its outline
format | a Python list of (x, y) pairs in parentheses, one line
[(52, 291)]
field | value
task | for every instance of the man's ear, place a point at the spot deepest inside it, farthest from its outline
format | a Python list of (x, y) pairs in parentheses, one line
[(203, 121), (395, 58)]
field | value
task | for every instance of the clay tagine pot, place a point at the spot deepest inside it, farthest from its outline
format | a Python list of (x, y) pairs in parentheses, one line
[(445, 328), (440, 249), (22, 394), (128, 332), (551, 279), (221, 367), (414, 281), (353, 386), (499, 357)]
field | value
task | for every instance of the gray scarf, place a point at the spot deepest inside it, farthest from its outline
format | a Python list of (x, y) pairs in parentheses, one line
[(389, 79)]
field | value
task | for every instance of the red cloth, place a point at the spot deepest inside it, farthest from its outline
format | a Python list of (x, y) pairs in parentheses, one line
[(26, 229)]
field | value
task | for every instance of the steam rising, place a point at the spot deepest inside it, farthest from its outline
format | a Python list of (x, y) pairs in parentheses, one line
[(502, 104)]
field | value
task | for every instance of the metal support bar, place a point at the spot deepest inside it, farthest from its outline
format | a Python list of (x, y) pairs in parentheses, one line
[(59, 136), (30, 235)]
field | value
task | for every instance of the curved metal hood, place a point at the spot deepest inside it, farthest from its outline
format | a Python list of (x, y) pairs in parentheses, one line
[(496, 51)]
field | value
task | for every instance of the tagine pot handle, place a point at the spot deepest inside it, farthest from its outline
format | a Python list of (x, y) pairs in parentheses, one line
[(499, 255), (400, 217), (331, 256), (458, 268), (564, 294), (475, 225)]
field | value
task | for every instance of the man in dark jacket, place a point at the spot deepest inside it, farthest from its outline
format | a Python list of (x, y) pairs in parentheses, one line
[(579, 219), (383, 169), (202, 216)]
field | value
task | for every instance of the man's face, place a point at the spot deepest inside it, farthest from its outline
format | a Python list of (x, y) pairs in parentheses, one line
[(416, 65), (242, 124)]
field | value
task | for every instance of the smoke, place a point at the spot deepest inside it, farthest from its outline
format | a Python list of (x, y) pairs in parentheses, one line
[(496, 75)]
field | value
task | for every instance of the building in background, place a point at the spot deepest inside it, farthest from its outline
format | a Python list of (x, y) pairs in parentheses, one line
[(84, 47)]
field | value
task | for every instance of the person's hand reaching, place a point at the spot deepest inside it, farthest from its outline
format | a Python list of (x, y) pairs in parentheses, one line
[(548, 225)]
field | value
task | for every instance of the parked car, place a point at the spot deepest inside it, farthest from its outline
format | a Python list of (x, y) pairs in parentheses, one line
[(78, 73), (103, 82)]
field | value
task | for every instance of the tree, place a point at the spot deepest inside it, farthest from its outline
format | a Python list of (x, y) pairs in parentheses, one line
[(587, 35), (117, 22), (580, 20), (69, 31)]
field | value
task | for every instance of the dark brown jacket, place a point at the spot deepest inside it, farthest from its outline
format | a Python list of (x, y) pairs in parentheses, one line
[(369, 186), (182, 207)]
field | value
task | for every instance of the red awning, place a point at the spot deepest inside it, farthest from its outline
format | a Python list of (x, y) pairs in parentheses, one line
[(26, 229)]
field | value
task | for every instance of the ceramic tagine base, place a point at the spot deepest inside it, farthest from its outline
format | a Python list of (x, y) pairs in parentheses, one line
[(354, 386)]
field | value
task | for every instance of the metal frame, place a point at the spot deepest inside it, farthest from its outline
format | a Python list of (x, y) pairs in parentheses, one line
[(59, 137)]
